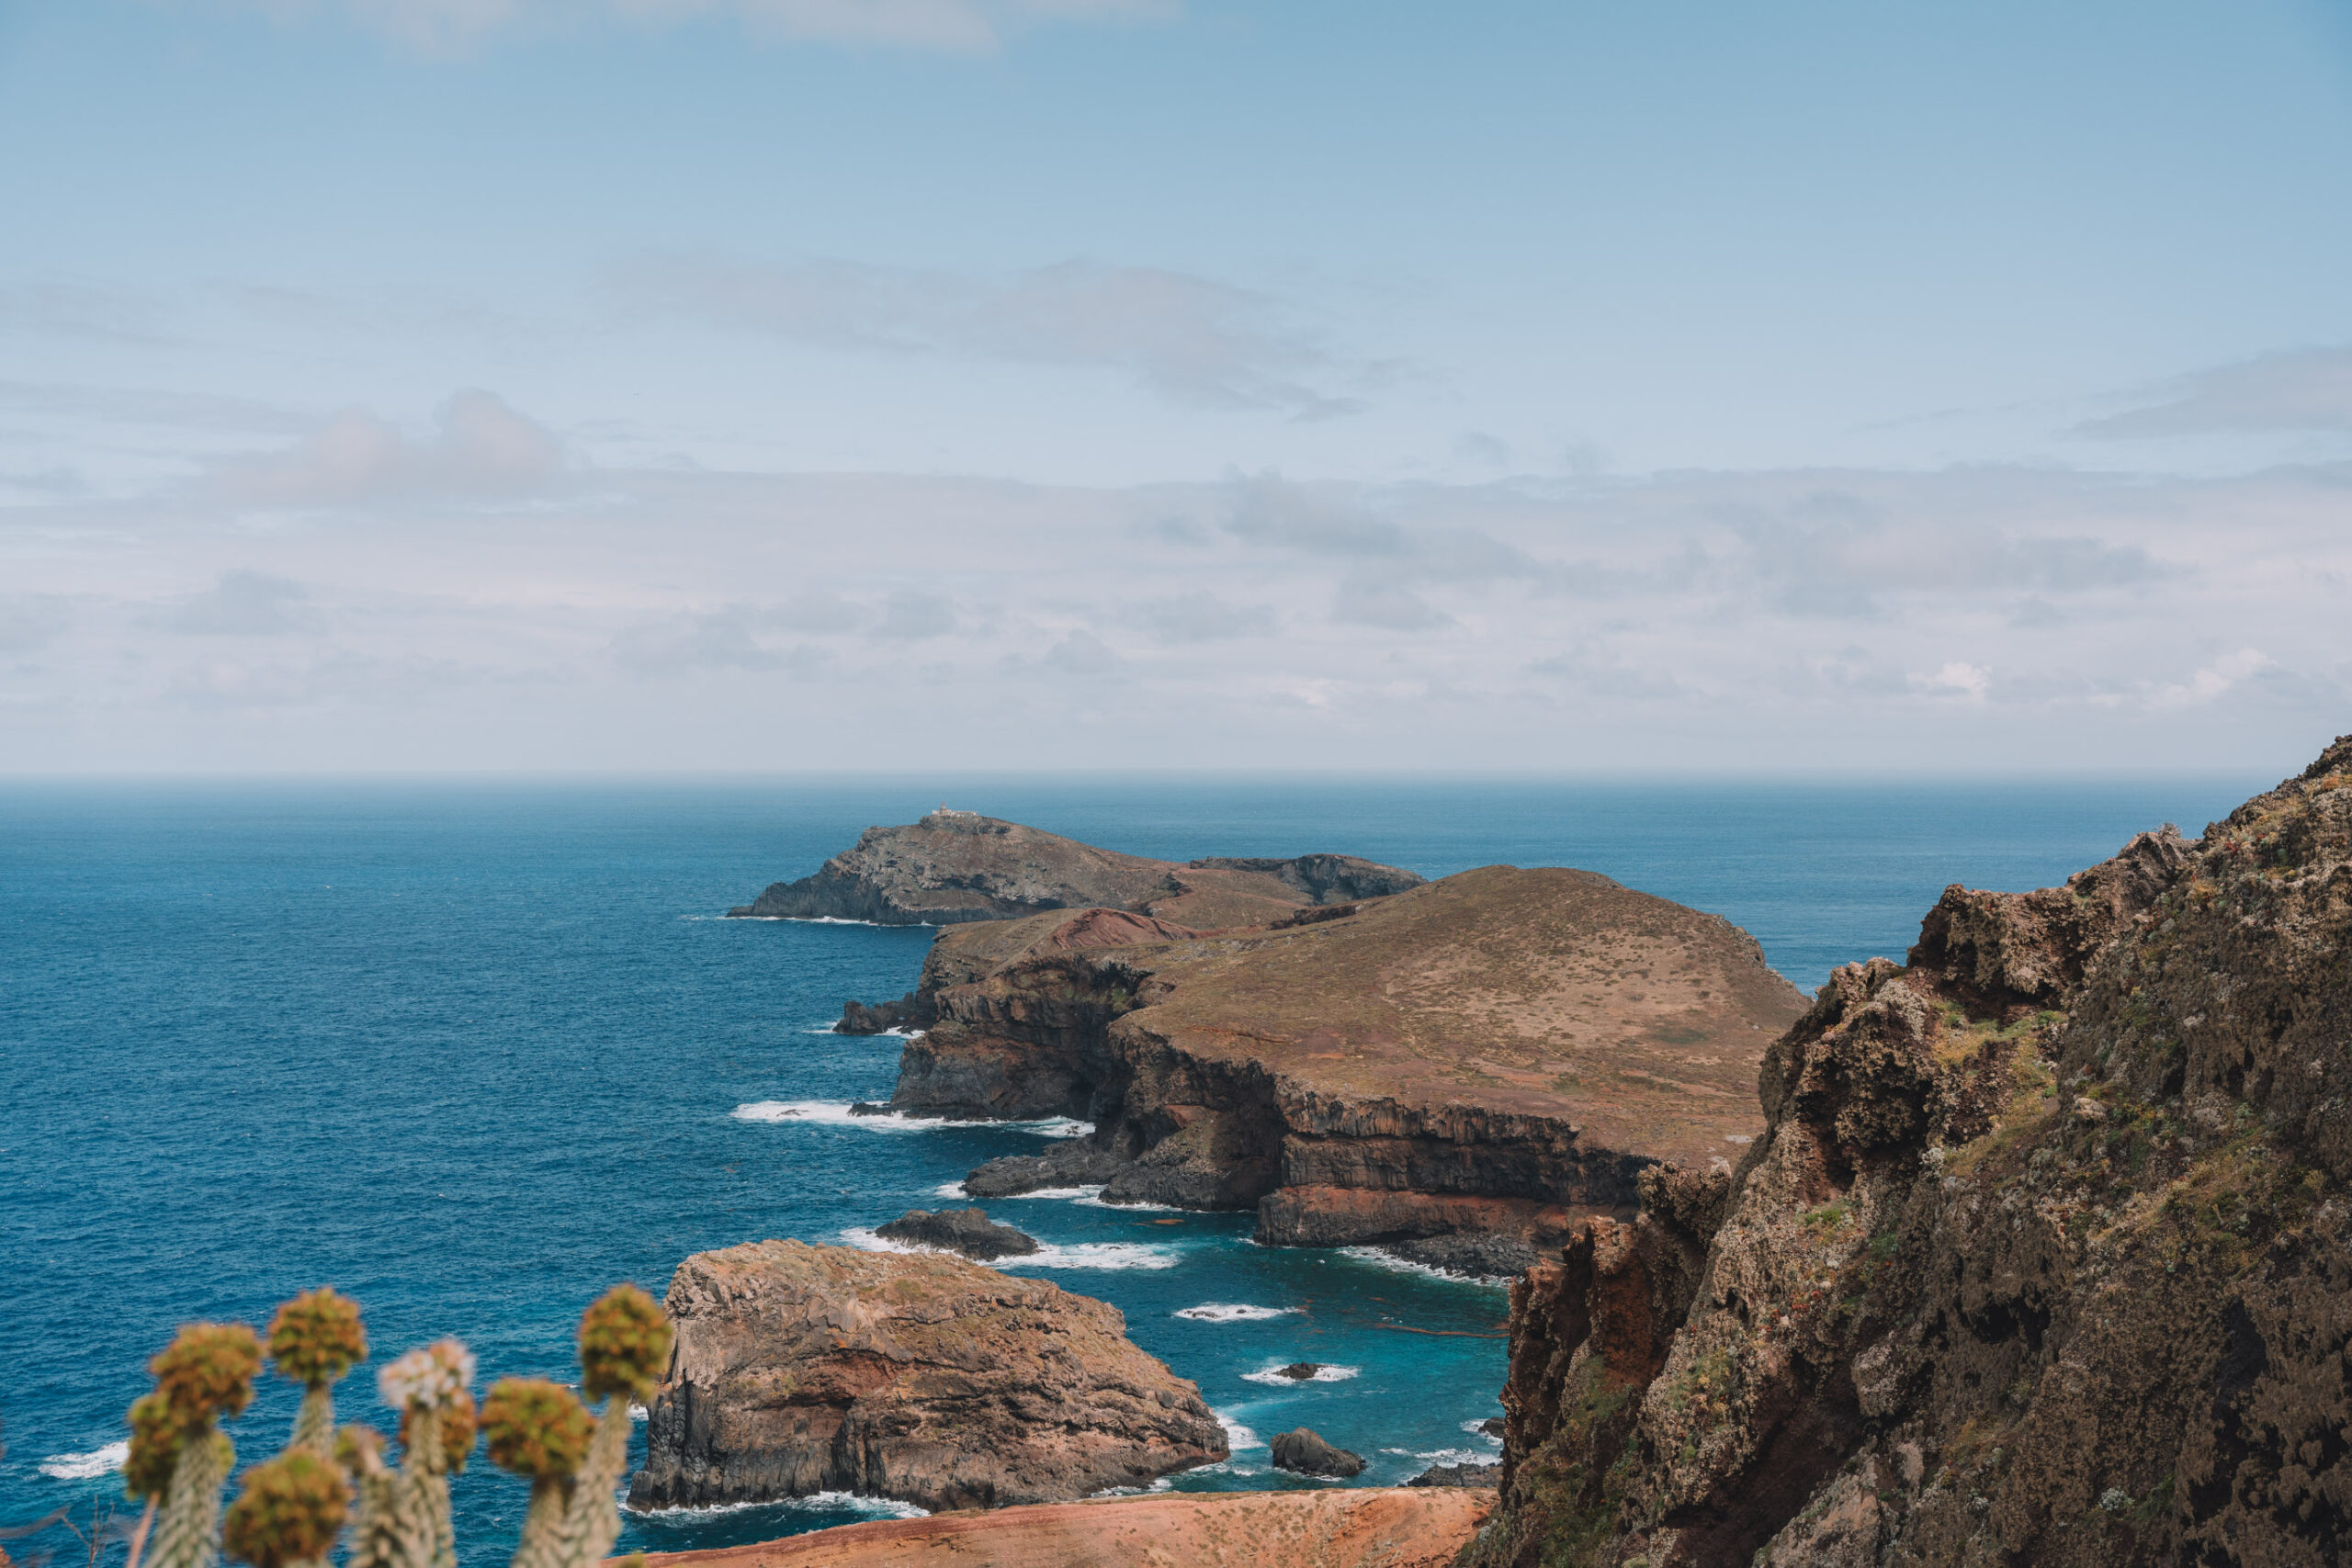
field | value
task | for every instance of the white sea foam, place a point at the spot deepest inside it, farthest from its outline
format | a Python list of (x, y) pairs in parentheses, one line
[(1094, 1255), (1078, 1255), (837, 1113), (1478, 1430), (1093, 1199), (1080, 1194), (817, 921), (872, 1507), (1272, 1376), (1233, 1312), (1237, 1438), (84, 1467), (1385, 1260), (638, 1412), (1455, 1456), (949, 1189)]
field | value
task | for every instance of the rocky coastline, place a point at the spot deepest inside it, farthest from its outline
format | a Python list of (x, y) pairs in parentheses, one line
[(1460, 1073), (922, 1377)]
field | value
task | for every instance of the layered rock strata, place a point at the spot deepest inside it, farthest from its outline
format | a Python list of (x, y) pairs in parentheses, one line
[(800, 1370), (2042, 1258), (1462, 1071), (954, 866), (1333, 1527)]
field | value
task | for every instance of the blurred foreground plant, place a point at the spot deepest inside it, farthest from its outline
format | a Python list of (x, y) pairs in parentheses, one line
[(292, 1508)]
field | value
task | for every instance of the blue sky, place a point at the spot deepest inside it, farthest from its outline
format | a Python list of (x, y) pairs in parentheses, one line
[(558, 384)]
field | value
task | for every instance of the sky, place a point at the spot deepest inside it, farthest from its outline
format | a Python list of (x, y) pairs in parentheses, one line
[(778, 385)]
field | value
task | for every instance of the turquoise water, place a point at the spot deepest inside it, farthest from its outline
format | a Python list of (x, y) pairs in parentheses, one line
[(470, 1053)]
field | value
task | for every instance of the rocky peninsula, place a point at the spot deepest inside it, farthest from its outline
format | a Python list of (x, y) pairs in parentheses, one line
[(1460, 1072), (2042, 1258), (922, 1377), (954, 866)]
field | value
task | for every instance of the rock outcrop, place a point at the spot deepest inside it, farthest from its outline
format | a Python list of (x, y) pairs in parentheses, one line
[(800, 1370), (909, 1011), (1304, 1451), (954, 866), (1460, 1072), (2042, 1258), (967, 1231), (1459, 1475), (1329, 1527)]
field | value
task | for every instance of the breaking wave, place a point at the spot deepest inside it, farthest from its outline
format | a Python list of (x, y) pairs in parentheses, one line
[(872, 1507), (1078, 1255), (84, 1466), (1273, 1376), (1233, 1312), (837, 1113)]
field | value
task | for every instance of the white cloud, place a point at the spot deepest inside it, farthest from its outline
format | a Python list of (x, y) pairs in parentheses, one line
[(449, 27), (242, 603), (2310, 390), (1191, 340), (1199, 616), (479, 449), (1956, 678), (2212, 680)]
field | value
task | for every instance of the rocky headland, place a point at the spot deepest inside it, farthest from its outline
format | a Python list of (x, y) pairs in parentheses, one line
[(966, 1230), (922, 1377), (1460, 1072), (1350, 1527), (2044, 1256), (954, 866)]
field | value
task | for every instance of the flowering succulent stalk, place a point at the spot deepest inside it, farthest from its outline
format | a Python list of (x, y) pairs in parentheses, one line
[(290, 1513), (624, 1341), (429, 1388), (205, 1373), (314, 1339), (539, 1430), (389, 1527)]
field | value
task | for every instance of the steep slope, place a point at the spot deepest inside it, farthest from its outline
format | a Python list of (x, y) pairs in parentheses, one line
[(2041, 1260), (1497, 1053), (1355, 1527), (954, 866)]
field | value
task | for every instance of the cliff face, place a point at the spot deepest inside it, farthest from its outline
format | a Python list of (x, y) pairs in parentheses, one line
[(800, 1370), (954, 866), (2042, 1259), (1499, 1054)]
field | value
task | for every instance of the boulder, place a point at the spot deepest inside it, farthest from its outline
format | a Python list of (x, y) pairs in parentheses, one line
[(1305, 1453), (1072, 1162), (917, 1376), (967, 1231), (1489, 1475)]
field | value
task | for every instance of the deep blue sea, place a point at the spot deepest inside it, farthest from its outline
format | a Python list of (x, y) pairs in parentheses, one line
[(471, 1053)]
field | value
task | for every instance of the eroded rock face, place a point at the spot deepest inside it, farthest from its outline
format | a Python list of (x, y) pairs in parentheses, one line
[(1462, 1072), (955, 866), (2041, 1260), (804, 1368)]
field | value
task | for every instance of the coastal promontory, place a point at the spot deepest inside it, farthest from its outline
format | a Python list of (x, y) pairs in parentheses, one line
[(954, 866), (922, 1377), (1459, 1072)]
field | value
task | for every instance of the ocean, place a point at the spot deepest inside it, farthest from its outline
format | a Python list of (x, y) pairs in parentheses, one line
[(471, 1053)]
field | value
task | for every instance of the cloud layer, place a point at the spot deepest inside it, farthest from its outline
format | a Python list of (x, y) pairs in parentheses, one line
[(399, 610)]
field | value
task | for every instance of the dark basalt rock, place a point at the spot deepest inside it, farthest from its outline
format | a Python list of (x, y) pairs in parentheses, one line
[(1073, 1163), (1304, 1452), (1459, 1475), (1299, 1371), (967, 1231), (1478, 1255), (912, 1010)]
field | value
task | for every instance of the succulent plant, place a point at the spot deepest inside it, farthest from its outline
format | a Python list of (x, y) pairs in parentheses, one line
[(290, 1513), (315, 1339), (428, 1386), (157, 1435), (540, 1430), (625, 1340), (207, 1371), (388, 1527)]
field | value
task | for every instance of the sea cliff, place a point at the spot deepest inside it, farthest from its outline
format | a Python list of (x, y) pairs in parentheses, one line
[(2043, 1256), (1460, 1072)]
